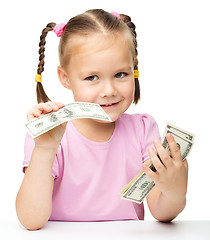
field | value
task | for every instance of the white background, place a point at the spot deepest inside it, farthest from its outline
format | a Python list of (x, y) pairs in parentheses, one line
[(174, 60)]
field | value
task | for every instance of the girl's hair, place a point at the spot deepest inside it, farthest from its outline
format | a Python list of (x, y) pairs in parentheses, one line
[(86, 24)]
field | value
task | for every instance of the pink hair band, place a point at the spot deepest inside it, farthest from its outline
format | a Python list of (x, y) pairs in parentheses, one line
[(59, 28), (116, 14)]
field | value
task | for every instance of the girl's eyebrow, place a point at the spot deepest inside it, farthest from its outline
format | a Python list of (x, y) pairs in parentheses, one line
[(125, 68), (96, 72), (89, 73)]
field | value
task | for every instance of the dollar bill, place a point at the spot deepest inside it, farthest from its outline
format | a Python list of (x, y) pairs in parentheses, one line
[(40, 125), (183, 139), (138, 188)]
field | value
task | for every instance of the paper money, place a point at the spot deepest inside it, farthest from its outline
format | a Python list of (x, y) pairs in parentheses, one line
[(138, 188), (70, 111)]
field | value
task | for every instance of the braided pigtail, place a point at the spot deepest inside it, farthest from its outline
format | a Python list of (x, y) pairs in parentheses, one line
[(126, 19), (41, 95)]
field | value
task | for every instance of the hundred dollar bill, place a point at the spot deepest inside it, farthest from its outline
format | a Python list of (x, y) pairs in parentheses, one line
[(138, 188), (70, 111)]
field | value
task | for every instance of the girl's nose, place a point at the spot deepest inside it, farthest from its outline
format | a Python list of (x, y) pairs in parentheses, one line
[(108, 89)]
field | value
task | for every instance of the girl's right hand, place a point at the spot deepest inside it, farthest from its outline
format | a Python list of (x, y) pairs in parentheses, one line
[(52, 138)]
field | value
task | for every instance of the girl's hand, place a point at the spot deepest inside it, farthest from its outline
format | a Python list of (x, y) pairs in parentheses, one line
[(52, 138), (172, 174)]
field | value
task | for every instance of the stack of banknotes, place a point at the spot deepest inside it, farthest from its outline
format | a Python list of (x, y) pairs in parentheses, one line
[(138, 188)]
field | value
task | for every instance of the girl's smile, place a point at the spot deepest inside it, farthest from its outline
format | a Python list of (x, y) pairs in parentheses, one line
[(109, 106)]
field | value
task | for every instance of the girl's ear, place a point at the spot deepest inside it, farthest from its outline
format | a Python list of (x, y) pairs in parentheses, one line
[(62, 75)]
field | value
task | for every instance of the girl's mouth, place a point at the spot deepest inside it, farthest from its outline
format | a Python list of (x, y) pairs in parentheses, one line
[(109, 105)]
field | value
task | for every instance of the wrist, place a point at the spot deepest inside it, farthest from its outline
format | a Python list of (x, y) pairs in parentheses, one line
[(47, 147), (175, 200), (45, 152), (42, 160)]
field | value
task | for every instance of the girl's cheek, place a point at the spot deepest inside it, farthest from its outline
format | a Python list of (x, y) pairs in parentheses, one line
[(84, 95)]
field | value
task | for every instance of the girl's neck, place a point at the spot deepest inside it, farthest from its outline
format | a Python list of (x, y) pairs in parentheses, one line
[(93, 130)]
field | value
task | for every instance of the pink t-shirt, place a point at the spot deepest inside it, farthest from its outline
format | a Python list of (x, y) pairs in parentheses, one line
[(89, 175)]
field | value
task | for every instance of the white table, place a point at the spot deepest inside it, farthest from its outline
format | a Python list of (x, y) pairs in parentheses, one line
[(129, 230)]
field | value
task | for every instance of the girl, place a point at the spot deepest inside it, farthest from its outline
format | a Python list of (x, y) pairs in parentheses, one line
[(75, 171)]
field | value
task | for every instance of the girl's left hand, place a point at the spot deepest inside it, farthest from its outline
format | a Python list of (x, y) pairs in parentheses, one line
[(172, 174)]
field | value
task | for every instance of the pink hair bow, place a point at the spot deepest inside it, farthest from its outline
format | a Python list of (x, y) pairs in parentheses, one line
[(116, 14), (58, 29)]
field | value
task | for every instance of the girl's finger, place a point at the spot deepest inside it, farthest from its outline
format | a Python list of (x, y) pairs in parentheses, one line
[(46, 107), (32, 114), (174, 149), (59, 104), (185, 164), (162, 153), (148, 161), (36, 113), (151, 174), (55, 105), (156, 161), (43, 108)]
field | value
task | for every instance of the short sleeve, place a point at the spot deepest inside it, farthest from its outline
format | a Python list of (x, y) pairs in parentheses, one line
[(148, 132), (28, 149)]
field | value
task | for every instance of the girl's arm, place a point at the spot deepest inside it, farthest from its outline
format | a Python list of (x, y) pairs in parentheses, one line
[(168, 198), (34, 199)]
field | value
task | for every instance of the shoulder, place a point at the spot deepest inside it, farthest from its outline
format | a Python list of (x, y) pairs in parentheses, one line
[(144, 120), (143, 125)]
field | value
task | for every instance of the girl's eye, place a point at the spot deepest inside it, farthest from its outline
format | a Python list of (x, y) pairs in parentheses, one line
[(92, 78), (121, 75)]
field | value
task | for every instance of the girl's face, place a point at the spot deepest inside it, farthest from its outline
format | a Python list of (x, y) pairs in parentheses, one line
[(100, 71)]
